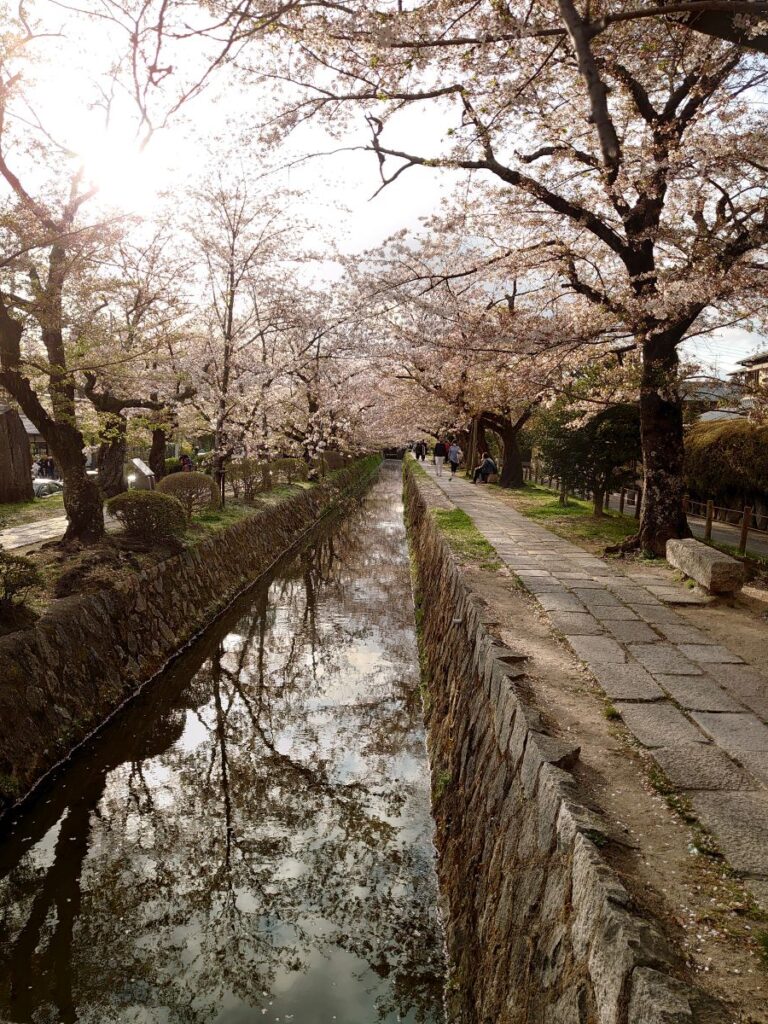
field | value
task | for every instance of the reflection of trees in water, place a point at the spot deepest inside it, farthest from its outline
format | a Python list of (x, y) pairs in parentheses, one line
[(287, 821)]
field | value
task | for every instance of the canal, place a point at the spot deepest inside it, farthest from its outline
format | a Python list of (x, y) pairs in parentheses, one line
[(250, 840)]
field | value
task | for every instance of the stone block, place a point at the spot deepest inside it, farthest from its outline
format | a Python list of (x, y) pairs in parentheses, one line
[(597, 650), (734, 732), (659, 725), (658, 999), (740, 824), (717, 572), (701, 766), (698, 693), (664, 658), (627, 682)]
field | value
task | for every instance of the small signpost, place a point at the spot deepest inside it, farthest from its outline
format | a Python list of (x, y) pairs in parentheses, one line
[(143, 478)]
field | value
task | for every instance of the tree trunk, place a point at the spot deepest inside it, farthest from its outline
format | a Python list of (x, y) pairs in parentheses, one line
[(110, 459), (15, 459), (157, 452), (563, 494), (661, 430), (83, 501), (512, 460), (598, 502)]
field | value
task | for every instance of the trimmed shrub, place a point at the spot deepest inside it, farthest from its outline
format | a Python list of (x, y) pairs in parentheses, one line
[(17, 574), (727, 459), (148, 515), (289, 470), (172, 466), (248, 478), (197, 492)]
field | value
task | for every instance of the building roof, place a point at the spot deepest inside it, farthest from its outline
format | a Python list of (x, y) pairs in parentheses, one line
[(757, 359), (28, 425)]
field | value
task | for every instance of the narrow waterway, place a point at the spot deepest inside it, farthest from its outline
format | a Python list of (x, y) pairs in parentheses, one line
[(251, 839)]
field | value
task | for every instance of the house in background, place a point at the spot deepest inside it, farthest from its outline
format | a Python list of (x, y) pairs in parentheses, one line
[(755, 372)]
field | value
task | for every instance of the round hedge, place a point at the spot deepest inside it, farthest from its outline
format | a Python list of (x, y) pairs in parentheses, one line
[(148, 515), (726, 458), (197, 492)]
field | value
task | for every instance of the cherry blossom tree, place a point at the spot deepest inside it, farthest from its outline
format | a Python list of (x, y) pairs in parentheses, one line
[(633, 157)]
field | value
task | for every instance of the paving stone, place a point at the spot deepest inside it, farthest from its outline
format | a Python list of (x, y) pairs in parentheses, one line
[(655, 614), (734, 732), (534, 572), (615, 614), (627, 632), (745, 683), (636, 594), (698, 693), (587, 584), (542, 585), (604, 598), (684, 634), (576, 624), (710, 654), (560, 603), (597, 650), (755, 762), (701, 766), (659, 725), (627, 682), (740, 824), (664, 657)]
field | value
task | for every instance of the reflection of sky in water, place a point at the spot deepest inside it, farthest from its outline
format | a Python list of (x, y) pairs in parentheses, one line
[(256, 843)]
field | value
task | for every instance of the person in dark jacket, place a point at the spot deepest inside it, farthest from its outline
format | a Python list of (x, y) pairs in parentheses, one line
[(484, 470), (440, 453)]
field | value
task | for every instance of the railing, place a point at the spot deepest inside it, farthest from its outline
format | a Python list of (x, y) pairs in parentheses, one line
[(745, 518)]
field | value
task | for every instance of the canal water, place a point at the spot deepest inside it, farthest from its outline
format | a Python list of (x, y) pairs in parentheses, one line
[(251, 839)]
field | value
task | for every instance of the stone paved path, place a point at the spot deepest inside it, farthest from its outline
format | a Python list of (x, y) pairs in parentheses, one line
[(694, 704), (33, 533)]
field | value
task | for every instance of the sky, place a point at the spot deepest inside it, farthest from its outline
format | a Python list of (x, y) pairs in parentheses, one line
[(339, 188)]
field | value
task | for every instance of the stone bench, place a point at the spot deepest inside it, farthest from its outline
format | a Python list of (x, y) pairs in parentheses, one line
[(716, 572)]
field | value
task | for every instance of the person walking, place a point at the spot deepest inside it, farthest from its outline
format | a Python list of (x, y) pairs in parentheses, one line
[(455, 455), (440, 452), (420, 450)]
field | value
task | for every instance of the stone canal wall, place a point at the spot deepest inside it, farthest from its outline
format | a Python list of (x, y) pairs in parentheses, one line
[(88, 654), (540, 929)]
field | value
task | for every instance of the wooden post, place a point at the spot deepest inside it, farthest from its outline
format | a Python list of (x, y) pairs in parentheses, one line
[(622, 499), (638, 502), (708, 523), (746, 519)]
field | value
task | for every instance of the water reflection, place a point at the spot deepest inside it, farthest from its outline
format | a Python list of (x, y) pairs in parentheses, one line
[(250, 841)]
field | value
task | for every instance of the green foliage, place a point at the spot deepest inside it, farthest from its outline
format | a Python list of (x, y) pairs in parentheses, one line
[(172, 466), (575, 520), (17, 575), (150, 516), (464, 538), (727, 458), (596, 456), (197, 492)]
